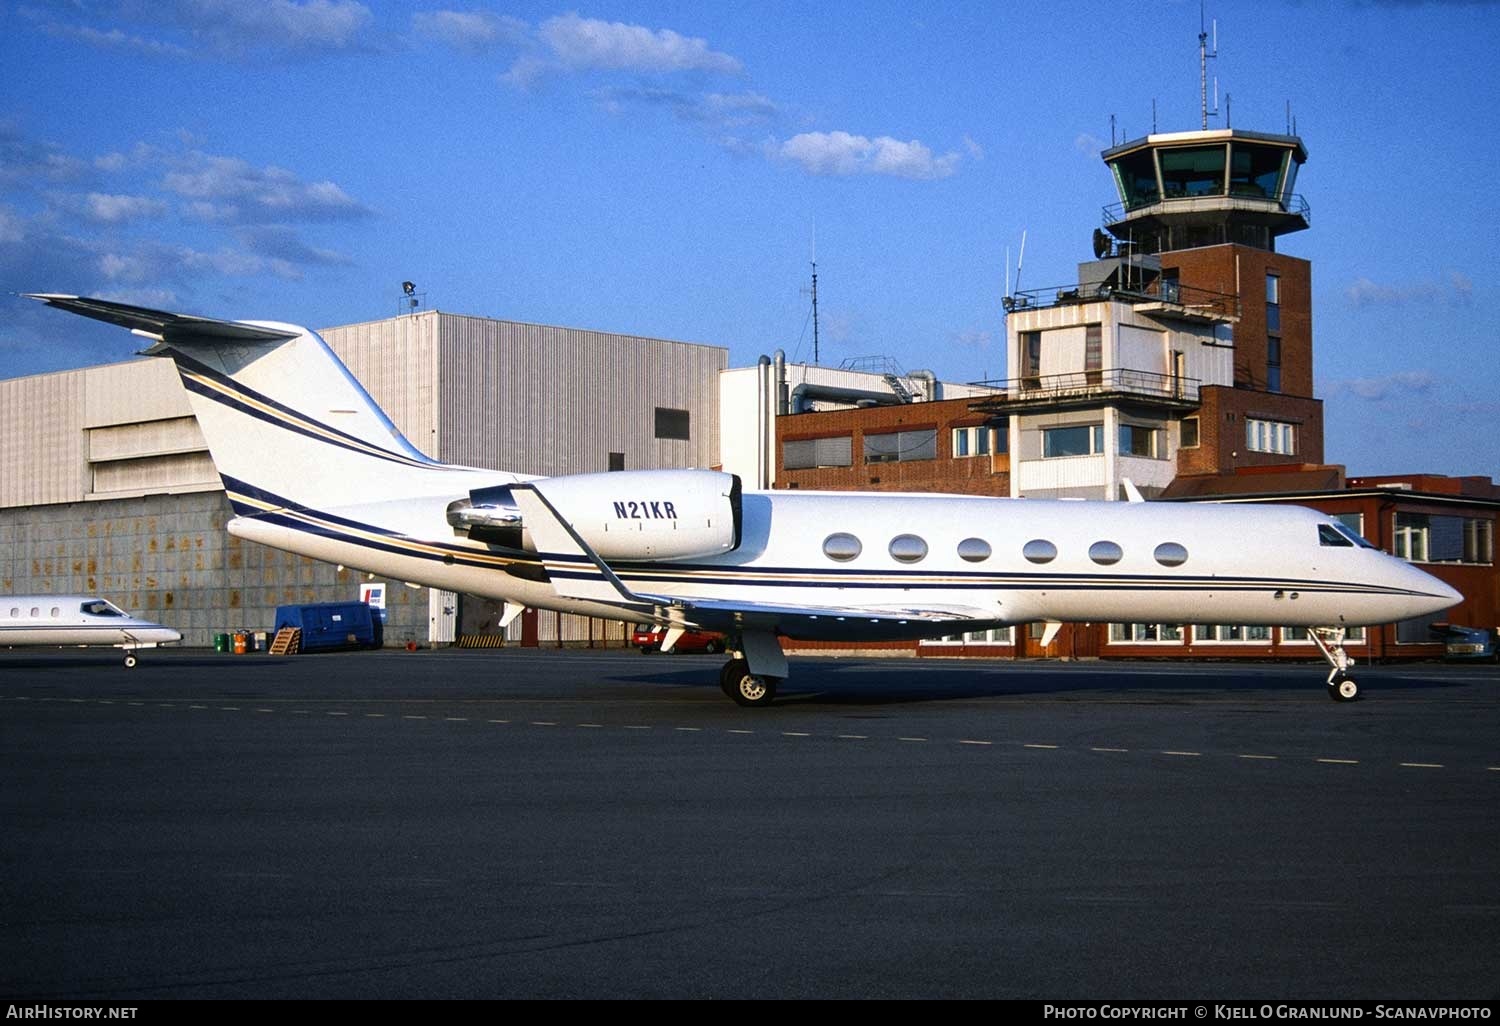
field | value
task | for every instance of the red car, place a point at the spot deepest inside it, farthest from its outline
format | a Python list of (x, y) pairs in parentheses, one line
[(648, 637)]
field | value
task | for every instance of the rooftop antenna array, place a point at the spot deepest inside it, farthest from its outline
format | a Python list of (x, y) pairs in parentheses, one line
[(814, 291), (1203, 58)]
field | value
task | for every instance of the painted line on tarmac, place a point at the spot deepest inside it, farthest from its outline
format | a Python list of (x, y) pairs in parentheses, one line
[(789, 734)]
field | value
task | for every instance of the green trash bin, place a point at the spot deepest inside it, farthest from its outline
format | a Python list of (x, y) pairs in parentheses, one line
[(221, 643)]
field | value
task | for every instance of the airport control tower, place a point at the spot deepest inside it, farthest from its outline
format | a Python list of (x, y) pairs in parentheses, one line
[(1185, 346)]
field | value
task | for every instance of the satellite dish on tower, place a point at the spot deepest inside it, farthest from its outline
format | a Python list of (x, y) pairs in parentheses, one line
[(1103, 244)]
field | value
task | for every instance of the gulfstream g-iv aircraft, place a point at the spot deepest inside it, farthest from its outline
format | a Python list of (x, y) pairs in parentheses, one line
[(81, 621), (313, 466)]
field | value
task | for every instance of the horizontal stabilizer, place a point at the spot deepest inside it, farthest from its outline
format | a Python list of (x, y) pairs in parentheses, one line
[(168, 328)]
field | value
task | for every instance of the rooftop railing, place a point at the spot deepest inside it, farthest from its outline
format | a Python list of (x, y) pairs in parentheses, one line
[(1295, 205), (1082, 387), (1183, 298)]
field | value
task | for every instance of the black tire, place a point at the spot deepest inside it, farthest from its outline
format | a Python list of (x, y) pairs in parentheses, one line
[(714, 647), (1343, 689), (748, 690)]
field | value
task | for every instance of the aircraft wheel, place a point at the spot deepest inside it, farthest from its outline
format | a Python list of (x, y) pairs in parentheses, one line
[(1343, 689), (747, 689), (129, 661)]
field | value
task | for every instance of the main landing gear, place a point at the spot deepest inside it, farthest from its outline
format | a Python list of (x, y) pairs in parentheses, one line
[(746, 688), (1330, 641), (750, 678)]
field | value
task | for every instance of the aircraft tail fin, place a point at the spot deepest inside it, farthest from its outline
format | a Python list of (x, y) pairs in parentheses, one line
[(284, 419)]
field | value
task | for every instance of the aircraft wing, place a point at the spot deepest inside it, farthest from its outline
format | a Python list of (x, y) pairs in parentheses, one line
[(577, 571)]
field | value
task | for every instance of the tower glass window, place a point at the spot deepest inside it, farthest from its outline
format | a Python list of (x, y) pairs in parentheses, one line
[(1193, 171), (1135, 174), (1256, 170)]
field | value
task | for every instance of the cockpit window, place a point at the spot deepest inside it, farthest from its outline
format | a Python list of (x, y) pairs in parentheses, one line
[(1328, 534), (98, 607), (1353, 535)]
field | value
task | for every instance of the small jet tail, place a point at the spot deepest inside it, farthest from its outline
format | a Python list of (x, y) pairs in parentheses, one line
[(286, 423)]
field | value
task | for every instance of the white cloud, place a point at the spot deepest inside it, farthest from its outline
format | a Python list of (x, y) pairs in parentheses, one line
[(471, 31), (117, 40), (223, 28), (305, 25), (581, 43), (1089, 145), (1457, 290), (1389, 386), (110, 208), (843, 154), (720, 110), (230, 190)]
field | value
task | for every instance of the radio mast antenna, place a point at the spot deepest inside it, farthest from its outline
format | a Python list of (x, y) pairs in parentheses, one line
[(1203, 58)]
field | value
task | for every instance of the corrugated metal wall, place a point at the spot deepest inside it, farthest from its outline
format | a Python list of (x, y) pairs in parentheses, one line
[(545, 400), (396, 361), (43, 458)]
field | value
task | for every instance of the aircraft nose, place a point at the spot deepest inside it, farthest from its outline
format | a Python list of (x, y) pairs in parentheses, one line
[(1435, 595)]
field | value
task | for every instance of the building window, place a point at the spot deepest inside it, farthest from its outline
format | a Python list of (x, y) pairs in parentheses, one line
[(1415, 632), (1273, 363), (1189, 433), (1031, 359), (1300, 635), (993, 636), (1430, 538), (1231, 634), (1270, 436), (978, 441), (901, 446), (1145, 634), (818, 452), (1093, 353), (1076, 440), (1136, 440), (617, 461), (672, 423)]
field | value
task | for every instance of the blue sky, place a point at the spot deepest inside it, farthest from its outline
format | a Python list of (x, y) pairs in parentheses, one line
[(664, 168)]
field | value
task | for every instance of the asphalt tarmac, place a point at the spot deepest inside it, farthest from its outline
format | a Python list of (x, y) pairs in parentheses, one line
[(576, 824)]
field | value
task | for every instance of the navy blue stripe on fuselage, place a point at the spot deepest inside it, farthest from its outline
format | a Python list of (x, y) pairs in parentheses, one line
[(342, 529), (210, 384)]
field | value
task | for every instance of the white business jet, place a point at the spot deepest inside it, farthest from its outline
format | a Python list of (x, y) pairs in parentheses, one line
[(313, 466), (77, 621)]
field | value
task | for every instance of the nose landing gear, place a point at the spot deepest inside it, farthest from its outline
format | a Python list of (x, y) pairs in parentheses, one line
[(1330, 641)]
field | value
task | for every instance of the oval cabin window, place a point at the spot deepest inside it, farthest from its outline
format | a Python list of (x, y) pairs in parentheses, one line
[(841, 547), (908, 548), (1170, 554), (1039, 551), (973, 550), (1105, 553)]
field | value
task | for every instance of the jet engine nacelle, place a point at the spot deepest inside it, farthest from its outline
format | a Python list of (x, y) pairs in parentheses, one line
[(624, 515)]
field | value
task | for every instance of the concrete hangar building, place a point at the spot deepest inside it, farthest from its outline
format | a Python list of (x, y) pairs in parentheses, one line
[(106, 485)]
